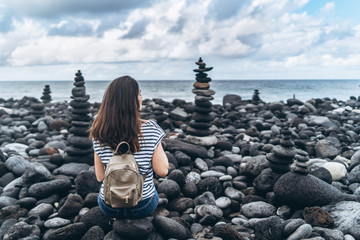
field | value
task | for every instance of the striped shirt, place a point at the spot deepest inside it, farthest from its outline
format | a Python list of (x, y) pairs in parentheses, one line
[(152, 135)]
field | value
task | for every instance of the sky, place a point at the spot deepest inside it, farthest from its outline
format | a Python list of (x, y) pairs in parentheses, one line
[(162, 39)]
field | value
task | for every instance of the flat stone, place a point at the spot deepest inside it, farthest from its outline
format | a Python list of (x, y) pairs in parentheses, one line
[(203, 141), (200, 85), (211, 173), (56, 222)]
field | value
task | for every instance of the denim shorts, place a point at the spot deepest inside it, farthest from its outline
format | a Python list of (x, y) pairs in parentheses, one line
[(143, 209)]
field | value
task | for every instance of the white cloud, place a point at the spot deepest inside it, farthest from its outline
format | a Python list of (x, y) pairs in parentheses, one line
[(259, 35), (329, 6)]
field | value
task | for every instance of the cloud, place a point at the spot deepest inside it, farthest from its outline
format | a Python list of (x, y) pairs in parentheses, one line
[(258, 35), (137, 29), (224, 9), (54, 9), (74, 27), (329, 6)]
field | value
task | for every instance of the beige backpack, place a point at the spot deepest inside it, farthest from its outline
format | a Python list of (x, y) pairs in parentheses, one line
[(123, 183)]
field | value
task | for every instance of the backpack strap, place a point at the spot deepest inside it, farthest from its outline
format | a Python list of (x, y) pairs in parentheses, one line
[(118, 147)]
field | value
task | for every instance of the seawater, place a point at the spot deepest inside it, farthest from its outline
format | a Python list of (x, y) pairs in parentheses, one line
[(270, 90)]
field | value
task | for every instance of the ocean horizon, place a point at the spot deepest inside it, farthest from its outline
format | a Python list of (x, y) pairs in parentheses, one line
[(168, 90)]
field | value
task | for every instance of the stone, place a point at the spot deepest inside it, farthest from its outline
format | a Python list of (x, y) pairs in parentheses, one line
[(71, 207), (211, 184), (223, 202), (17, 164), (189, 149), (316, 216), (43, 210), (45, 189), (190, 190), (170, 188), (86, 182), (354, 175), (36, 172), (211, 173), (325, 149), (267, 228), (205, 198), (234, 194), (292, 225), (5, 226), (230, 98), (293, 189), (208, 209), (179, 114), (21, 230), (7, 201), (94, 233), (71, 231), (223, 161), (133, 228), (304, 231), (258, 209), (193, 177), (346, 214), (202, 140), (200, 85), (182, 158), (71, 169), (96, 217), (170, 228), (58, 124), (56, 222), (329, 233), (18, 147), (181, 204), (201, 164)]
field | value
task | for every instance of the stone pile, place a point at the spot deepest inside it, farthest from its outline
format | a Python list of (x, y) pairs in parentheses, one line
[(199, 126), (80, 146), (300, 165), (282, 156), (256, 98), (209, 193), (46, 97)]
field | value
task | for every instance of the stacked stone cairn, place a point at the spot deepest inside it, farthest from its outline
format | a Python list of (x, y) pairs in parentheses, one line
[(282, 156), (199, 127), (46, 97), (79, 147), (300, 166), (256, 98)]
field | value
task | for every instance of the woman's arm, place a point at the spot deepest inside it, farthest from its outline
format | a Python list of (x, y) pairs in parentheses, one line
[(160, 162), (99, 168)]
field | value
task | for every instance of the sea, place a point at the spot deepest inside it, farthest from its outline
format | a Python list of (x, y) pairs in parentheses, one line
[(270, 90)]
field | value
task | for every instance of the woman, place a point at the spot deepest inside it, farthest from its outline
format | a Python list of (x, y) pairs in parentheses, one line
[(119, 120)]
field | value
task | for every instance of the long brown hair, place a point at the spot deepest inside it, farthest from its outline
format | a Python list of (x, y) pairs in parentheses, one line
[(118, 118)]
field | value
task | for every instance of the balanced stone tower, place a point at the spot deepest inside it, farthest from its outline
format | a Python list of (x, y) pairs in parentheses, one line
[(46, 97), (282, 156), (199, 127), (256, 98), (79, 147)]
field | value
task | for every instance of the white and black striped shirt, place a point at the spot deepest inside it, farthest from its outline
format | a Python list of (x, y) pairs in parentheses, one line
[(152, 135)]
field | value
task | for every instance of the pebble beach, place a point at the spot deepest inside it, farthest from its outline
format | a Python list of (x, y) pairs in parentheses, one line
[(243, 169)]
